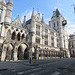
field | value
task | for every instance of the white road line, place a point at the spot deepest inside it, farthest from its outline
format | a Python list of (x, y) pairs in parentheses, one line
[(20, 72), (0, 74), (13, 70), (33, 70), (55, 73)]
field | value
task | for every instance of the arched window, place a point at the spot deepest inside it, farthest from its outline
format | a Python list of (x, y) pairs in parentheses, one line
[(22, 36), (18, 37), (13, 35)]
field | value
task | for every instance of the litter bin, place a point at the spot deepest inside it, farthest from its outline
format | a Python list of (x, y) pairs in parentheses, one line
[(33, 60)]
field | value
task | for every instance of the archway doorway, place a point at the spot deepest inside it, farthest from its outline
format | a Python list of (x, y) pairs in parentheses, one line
[(20, 55), (26, 53), (9, 53)]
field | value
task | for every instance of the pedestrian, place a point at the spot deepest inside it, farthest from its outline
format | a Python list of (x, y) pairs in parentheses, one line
[(60, 56), (30, 60)]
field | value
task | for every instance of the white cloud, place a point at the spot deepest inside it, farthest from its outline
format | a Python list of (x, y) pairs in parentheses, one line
[(47, 20), (28, 14), (71, 29), (71, 26)]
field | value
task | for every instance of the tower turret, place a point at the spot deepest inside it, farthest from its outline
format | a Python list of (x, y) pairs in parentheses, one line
[(24, 22), (42, 19), (9, 11)]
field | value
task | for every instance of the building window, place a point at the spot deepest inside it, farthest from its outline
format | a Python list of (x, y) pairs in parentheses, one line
[(46, 30), (46, 42), (52, 33), (0, 11), (54, 24), (37, 33), (52, 38), (37, 27), (37, 40), (57, 23), (0, 14), (52, 44)]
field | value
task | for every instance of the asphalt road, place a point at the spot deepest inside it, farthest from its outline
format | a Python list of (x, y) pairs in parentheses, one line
[(64, 66)]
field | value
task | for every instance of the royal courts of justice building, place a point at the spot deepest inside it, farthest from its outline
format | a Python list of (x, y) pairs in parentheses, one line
[(33, 37)]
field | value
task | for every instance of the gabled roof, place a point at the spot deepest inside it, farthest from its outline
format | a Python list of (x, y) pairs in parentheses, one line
[(17, 22)]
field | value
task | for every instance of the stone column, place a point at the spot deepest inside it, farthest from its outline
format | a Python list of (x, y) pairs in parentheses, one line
[(15, 54), (3, 53)]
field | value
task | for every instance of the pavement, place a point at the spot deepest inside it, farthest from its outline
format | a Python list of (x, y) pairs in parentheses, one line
[(64, 66)]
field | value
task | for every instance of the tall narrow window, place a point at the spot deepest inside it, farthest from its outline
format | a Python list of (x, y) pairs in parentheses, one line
[(57, 23), (54, 24), (0, 14)]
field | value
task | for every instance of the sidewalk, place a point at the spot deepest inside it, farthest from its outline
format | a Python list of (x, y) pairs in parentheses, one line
[(14, 65)]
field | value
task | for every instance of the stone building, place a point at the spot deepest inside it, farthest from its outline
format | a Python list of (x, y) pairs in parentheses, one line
[(13, 45), (47, 40), (72, 45), (33, 37)]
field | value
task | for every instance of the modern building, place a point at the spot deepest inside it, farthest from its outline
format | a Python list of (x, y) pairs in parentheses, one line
[(72, 45), (33, 37)]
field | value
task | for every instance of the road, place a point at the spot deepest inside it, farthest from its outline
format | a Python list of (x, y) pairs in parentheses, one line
[(64, 66)]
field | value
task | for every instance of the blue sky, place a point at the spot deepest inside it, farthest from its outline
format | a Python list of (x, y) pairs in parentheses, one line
[(46, 7)]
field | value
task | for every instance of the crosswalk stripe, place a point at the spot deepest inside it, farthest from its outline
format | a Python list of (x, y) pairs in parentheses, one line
[(20, 72), (55, 73)]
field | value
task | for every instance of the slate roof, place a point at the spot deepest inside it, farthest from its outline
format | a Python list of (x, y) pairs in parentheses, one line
[(28, 22)]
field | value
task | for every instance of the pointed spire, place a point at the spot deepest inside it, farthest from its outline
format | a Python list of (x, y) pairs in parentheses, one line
[(42, 18), (33, 14), (57, 12), (24, 22), (10, 1)]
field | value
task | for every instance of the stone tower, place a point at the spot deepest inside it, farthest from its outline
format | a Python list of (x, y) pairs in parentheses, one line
[(9, 11), (58, 23), (3, 7)]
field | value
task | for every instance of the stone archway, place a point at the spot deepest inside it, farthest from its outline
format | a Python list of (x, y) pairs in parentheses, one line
[(20, 53), (9, 52)]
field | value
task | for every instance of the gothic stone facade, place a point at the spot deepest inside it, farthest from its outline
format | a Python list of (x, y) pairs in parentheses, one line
[(34, 37), (47, 40), (13, 44), (72, 45)]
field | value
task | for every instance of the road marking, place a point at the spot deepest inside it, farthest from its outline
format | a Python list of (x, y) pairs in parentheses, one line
[(0, 74), (13, 70), (33, 70), (20, 72), (55, 73)]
